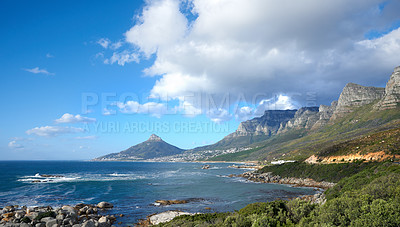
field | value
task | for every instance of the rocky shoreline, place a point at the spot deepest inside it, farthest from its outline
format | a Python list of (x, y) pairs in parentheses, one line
[(296, 182), (80, 215)]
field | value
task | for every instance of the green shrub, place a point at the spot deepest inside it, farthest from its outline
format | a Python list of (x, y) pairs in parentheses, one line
[(26, 219)]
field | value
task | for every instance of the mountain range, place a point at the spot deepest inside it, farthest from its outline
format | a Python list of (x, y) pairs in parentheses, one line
[(296, 134)]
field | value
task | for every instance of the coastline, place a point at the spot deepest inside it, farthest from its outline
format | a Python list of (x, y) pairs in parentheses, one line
[(268, 178), (127, 213)]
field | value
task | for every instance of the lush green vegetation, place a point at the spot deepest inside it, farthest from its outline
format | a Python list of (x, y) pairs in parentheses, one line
[(370, 197), (327, 172)]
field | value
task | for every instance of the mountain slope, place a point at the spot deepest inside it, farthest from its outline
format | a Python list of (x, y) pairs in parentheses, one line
[(254, 130), (154, 147), (360, 111)]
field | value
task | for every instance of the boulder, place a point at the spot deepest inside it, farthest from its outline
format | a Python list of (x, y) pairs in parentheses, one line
[(170, 202), (89, 223), (104, 205), (104, 222), (165, 216)]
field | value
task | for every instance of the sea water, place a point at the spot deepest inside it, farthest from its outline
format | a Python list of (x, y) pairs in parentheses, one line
[(133, 187)]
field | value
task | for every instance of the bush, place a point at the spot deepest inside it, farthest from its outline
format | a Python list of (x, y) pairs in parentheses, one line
[(26, 219)]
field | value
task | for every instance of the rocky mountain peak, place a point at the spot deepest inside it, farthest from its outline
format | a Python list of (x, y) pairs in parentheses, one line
[(154, 138), (267, 124), (355, 95), (391, 98)]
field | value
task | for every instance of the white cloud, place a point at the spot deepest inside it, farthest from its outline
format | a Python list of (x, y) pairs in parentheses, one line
[(244, 113), (104, 42), (48, 55), (86, 137), (153, 108), (264, 46), (70, 118), (37, 70), (116, 45), (219, 115), (280, 102), (108, 112), (161, 24), (121, 58), (108, 44), (51, 131), (14, 144)]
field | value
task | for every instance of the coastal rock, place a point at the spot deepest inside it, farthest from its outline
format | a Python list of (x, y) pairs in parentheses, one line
[(105, 205), (354, 95), (297, 182), (51, 223), (20, 214), (89, 223), (166, 216), (104, 222), (391, 98), (170, 202)]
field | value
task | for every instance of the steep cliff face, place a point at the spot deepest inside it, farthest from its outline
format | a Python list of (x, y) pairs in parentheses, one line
[(391, 98), (305, 117), (268, 124), (325, 113), (354, 95)]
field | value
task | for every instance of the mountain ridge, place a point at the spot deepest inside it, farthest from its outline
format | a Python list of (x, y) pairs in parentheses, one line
[(154, 147)]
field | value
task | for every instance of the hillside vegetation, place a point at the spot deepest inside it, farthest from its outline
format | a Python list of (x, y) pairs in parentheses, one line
[(369, 197), (300, 144)]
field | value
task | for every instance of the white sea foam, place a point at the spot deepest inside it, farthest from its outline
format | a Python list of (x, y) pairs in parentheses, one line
[(81, 178)]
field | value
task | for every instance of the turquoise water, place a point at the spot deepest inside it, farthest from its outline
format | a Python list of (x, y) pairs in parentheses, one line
[(133, 187)]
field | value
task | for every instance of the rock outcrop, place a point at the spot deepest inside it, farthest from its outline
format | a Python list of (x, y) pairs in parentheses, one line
[(268, 124), (296, 182), (79, 216), (391, 98), (325, 113), (305, 117), (354, 95)]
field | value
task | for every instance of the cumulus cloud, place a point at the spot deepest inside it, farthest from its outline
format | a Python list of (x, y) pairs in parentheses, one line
[(152, 108), (37, 70), (15, 145), (104, 42), (218, 115), (279, 102), (48, 55), (264, 46), (70, 118), (121, 58), (86, 137), (161, 24), (107, 43), (51, 131)]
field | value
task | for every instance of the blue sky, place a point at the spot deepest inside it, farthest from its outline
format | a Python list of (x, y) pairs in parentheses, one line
[(188, 71)]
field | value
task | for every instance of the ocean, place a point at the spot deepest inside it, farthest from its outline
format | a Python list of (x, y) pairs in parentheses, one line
[(133, 187)]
